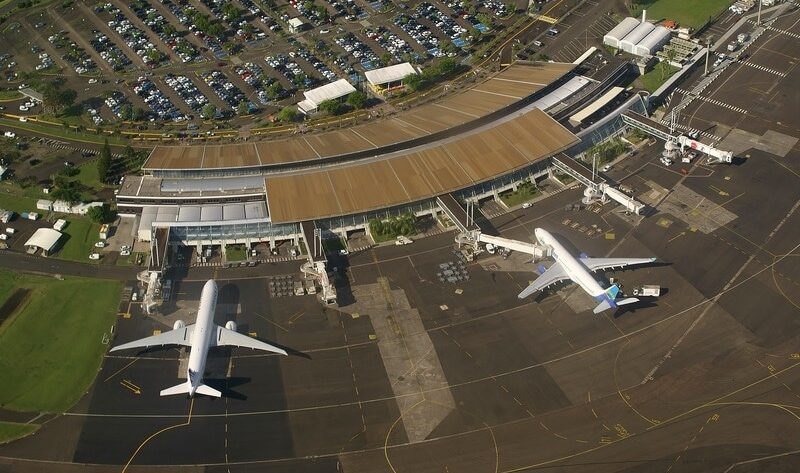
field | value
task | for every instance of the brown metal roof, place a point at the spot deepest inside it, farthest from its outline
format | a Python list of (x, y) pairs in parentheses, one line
[(499, 91), (471, 159)]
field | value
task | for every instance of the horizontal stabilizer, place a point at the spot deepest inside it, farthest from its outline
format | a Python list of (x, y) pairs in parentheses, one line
[(208, 391), (604, 305), (182, 388), (629, 300)]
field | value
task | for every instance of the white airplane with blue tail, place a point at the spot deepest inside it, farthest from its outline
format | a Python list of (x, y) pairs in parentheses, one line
[(579, 271)]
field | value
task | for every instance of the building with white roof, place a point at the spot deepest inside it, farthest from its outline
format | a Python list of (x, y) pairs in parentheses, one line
[(653, 42), (296, 25), (333, 91), (629, 42), (389, 78), (45, 239), (620, 31)]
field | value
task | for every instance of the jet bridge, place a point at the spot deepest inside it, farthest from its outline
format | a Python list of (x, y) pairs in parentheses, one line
[(460, 217), (316, 266), (579, 172), (535, 250), (660, 131)]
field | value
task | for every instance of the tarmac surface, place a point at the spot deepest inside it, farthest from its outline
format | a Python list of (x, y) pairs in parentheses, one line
[(697, 380), (410, 374)]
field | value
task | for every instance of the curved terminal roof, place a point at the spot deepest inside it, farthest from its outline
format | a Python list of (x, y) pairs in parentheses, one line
[(417, 175), (497, 92)]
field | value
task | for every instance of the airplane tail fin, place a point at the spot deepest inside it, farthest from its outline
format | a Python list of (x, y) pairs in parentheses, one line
[(183, 388), (613, 291)]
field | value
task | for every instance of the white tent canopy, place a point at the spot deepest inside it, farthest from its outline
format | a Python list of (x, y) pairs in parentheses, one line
[(389, 74), (331, 91), (44, 238)]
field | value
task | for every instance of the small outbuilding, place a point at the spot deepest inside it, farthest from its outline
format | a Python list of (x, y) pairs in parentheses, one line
[(44, 239), (296, 25)]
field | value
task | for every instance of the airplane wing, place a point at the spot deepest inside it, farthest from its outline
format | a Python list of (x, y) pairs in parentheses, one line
[(596, 264), (181, 336), (227, 337), (553, 275)]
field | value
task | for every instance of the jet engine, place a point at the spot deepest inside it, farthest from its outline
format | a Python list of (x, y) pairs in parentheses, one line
[(230, 325), (178, 325)]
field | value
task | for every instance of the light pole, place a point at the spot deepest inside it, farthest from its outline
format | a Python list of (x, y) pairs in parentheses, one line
[(758, 20), (708, 51)]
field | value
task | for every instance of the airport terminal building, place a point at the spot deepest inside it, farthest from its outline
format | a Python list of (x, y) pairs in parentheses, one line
[(480, 141)]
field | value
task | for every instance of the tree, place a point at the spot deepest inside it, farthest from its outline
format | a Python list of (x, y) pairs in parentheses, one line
[(275, 90), (357, 99), (126, 111), (332, 107), (100, 214), (104, 162), (386, 58), (414, 82), (287, 114), (209, 111), (66, 190), (242, 108)]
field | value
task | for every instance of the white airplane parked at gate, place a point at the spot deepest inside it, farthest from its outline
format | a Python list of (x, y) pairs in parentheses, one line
[(579, 270), (200, 337)]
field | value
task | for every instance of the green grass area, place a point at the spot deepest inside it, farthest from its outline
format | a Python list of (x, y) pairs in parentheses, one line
[(11, 199), (524, 193), (12, 431), (130, 260), (9, 95), (235, 252), (88, 175), (83, 234), (333, 245), (654, 79), (692, 13), (51, 346), (60, 132)]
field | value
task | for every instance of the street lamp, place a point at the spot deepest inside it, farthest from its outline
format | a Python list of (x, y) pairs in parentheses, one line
[(758, 20)]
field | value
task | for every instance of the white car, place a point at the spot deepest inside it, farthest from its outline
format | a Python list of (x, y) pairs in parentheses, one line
[(94, 256), (125, 253), (666, 161), (100, 244), (606, 168), (403, 240), (526, 205)]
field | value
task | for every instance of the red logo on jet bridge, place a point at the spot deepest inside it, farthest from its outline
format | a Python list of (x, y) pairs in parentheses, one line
[(693, 144)]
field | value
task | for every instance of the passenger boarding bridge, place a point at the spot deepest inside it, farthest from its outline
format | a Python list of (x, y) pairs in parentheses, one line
[(317, 264), (660, 131)]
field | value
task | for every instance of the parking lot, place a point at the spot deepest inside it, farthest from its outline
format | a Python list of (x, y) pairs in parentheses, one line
[(237, 52)]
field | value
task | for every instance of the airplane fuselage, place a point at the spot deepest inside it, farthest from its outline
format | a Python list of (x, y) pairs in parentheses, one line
[(576, 270), (201, 337)]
